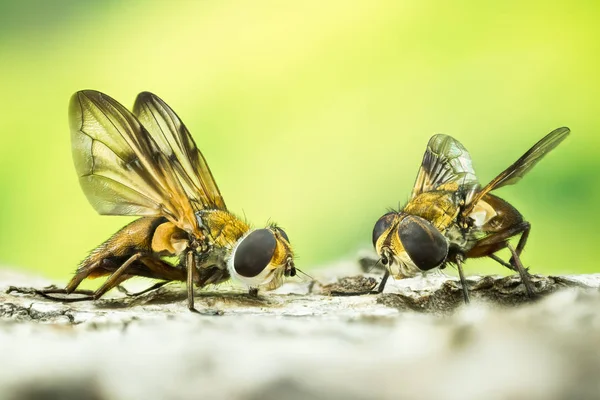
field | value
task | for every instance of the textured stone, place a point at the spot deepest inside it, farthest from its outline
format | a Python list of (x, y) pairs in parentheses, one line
[(309, 340)]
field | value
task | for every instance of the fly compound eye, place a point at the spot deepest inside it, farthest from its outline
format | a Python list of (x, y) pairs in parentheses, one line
[(424, 243), (382, 225), (283, 234), (254, 253)]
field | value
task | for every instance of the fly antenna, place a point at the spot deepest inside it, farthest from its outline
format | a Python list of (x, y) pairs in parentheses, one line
[(305, 274), (373, 266)]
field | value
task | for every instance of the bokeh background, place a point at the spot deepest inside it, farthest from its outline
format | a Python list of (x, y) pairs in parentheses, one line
[(313, 114)]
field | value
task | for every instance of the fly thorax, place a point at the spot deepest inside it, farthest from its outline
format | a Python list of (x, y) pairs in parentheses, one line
[(223, 228), (212, 266), (456, 236), (217, 257)]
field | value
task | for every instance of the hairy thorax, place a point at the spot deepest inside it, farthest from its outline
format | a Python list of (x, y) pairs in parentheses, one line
[(438, 207), (223, 230)]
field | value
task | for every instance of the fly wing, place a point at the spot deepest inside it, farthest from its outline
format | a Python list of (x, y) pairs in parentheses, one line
[(522, 166), (175, 142), (121, 169), (446, 165)]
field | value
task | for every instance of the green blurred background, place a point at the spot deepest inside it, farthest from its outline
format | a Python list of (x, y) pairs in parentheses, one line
[(313, 114)]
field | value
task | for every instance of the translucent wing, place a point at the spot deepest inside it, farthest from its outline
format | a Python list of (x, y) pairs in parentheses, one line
[(176, 143), (523, 165), (446, 165), (121, 169)]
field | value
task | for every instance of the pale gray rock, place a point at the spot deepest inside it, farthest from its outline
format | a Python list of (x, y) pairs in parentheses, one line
[(308, 341)]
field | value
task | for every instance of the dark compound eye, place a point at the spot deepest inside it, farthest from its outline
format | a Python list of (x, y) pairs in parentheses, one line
[(382, 225), (282, 233), (254, 253), (424, 243)]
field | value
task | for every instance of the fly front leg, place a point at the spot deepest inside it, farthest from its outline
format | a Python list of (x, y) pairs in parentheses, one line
[(191, 279), (381, 286), (463, 280)]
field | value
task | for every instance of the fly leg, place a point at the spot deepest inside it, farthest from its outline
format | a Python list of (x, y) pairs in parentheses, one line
[(526, 228), (49, 291), (515, 260), (71, 288), (502, 262), (126, 292), (140, 265), (525, 278), (381, 286), (463, 280), (521, 244), (155, 268), (191, 278), (498, 241), (113, 280), (116, 277)]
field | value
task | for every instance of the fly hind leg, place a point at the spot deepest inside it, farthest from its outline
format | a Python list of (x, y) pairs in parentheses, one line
[(113, 280), (51, 290), (48, 292), (127, 293), (135, 265), (105, 265), (521, 245), (140, 265), (499, 240), (86, 270), (525, 277), (515, 260), (116, 277)]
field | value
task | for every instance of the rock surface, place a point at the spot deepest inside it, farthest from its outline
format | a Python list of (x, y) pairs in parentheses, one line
[(308, 340)]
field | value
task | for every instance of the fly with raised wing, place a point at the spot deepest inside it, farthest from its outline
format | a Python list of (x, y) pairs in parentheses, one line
[(450, 217), (147, 164)]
